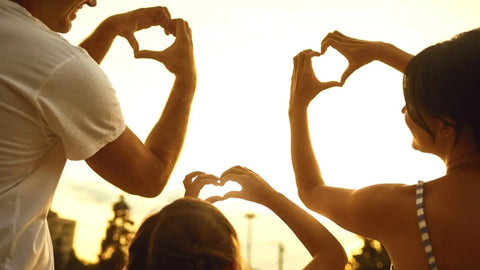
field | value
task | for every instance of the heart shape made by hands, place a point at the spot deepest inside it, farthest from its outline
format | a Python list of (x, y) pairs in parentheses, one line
[(211, 190), (329, 66), (154, 38)]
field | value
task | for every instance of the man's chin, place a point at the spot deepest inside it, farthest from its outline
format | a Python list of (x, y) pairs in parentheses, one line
[(63, 28)]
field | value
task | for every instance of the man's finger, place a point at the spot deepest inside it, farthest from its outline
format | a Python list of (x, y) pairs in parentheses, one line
[(150, 54), (170, 28), (132, 41), (179, 27)]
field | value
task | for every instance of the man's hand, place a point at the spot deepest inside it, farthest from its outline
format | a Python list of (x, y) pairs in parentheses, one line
[(126, 24), (178, 58)]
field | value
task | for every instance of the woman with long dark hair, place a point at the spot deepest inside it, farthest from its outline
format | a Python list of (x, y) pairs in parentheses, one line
[(430, 225)]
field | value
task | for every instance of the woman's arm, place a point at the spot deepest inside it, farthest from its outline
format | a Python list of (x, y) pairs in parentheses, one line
[(361, 52), (354, 210), (304, 87)]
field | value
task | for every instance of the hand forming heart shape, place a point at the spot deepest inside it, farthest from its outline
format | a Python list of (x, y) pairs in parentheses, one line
[(130, 22), (254, 188), (329, 66), (196, 181)]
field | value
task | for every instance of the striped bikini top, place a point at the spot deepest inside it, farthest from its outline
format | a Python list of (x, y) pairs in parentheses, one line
[(422, 224)]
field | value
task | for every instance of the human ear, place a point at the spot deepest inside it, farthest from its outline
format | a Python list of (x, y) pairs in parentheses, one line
[(445, 127)]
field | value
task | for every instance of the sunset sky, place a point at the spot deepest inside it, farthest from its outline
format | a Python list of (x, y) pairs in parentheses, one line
[(239, 116)]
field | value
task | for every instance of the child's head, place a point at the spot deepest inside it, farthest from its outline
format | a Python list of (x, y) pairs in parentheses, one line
[(186, 234)]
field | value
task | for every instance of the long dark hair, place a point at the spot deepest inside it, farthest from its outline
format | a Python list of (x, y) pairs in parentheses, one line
[(443, 81)]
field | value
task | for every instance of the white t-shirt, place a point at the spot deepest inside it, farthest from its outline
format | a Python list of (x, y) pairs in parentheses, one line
[(55, 104)]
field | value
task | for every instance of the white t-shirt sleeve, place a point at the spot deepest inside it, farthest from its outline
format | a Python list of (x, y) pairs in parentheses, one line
[(80, 106)]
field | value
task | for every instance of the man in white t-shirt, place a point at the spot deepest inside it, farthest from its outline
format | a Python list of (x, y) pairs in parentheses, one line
[(57, 104)]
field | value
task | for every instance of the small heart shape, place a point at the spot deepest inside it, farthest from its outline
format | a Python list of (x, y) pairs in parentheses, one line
[(329, 66), (154, 38), (220, 190)]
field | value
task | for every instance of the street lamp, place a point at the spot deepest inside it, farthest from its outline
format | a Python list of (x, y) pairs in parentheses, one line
[(249, 217), (281, 250)]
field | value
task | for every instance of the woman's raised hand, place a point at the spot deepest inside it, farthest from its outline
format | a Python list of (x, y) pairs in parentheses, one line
[(305, 85), (358, 52)]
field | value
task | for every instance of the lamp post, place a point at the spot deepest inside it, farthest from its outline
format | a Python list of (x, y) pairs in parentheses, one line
[(249, 217), (281, 250)]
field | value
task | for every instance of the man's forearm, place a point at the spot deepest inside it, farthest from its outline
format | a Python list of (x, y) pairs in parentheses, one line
[(167, 136), (99, 42)]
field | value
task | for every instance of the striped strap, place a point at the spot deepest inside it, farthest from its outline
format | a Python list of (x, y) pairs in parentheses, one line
[(422, 224)]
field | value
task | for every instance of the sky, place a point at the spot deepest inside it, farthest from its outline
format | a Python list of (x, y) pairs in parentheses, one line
[(243, 52)]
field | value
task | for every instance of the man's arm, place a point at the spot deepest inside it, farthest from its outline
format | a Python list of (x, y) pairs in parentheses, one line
[(100, 40), (125, 25), (144, 169)]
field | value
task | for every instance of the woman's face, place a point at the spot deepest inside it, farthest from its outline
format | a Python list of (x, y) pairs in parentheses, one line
[(421, 140)]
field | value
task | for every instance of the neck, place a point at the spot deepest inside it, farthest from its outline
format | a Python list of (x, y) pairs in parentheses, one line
[(20, 2), (465, 162), (30, 5)]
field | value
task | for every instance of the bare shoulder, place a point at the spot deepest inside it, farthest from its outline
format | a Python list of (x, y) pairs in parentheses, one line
[(372, 211), (386, 194), (380, 208)]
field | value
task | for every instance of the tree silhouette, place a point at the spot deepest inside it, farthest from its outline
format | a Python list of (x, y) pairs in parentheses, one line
[(119, 234), (373, 257), (76, 264)]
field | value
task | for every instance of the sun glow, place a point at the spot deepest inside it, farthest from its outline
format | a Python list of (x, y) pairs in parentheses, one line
[(244, 54)]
